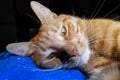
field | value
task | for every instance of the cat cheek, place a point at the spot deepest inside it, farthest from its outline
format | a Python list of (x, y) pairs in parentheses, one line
[(56, 63), (37, 58)]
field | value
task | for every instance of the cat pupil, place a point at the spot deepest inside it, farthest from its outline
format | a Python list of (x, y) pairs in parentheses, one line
[(51, 56), (63, 31)]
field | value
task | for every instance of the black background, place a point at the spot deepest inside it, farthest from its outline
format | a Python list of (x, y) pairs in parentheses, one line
[(19, 23)]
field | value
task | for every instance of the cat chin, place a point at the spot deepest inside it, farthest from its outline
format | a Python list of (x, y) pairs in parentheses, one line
[(84, 57)]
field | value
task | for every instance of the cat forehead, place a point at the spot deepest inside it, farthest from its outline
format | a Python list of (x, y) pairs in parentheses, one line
[(61, 19), (66, 17)]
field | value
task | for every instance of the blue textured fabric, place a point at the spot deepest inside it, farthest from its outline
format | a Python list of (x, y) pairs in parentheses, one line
[(14, 67)]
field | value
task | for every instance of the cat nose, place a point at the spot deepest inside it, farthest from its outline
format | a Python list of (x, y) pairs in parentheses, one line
[(74, 51)]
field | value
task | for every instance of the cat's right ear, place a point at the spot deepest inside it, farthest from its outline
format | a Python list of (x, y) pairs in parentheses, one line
[(43, 13), (21, 48)]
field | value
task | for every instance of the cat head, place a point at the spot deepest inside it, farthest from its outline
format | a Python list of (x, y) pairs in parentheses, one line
[(60, 42)]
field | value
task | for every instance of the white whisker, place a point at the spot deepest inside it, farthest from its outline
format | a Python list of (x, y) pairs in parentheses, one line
[(73, 11), (52, 69), (48, 3), (97, 12), (91, 33), (95, 41), (30, 16), (94, 38), (112, 10), (99, 8), (95, 8), (117, 17)]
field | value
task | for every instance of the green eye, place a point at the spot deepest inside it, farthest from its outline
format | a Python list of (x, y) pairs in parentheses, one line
[(63, 31), (51, 56)]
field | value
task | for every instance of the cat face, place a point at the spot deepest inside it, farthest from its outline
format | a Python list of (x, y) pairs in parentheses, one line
[(60, 42)]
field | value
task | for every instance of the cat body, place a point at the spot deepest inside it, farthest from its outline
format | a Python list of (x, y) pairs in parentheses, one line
[(65, 41)]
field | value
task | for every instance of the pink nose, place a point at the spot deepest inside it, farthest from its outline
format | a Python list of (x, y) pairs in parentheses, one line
[(74, 51)]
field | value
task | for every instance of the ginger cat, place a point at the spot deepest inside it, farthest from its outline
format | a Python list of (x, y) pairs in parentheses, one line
[(65, 41)]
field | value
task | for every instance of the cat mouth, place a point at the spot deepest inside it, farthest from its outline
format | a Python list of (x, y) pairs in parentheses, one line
[(63, 55)]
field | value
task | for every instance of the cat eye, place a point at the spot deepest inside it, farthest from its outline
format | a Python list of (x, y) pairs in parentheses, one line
[(51, 56), (63, 31)]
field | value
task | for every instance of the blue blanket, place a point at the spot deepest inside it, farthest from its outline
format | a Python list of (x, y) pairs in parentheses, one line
[(14, 67)]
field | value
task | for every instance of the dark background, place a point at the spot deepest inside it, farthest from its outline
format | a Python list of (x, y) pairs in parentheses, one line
[(19, 23)]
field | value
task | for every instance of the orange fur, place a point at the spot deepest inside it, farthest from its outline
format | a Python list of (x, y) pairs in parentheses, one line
[(91, 44)]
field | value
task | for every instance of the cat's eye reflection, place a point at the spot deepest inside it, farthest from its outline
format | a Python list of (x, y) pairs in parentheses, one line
[(63, 31)]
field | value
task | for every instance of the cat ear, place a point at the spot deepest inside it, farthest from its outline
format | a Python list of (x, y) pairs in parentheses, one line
[(43, 13), (22, 48)]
